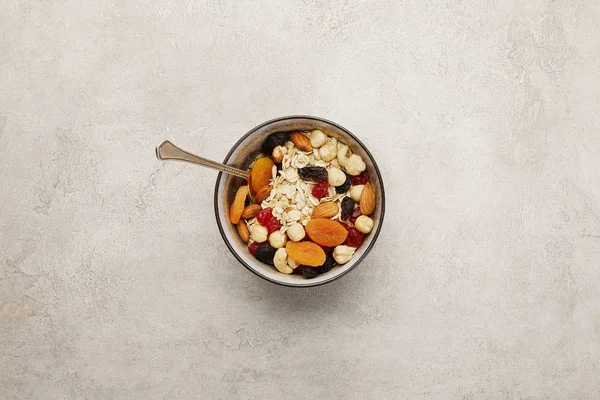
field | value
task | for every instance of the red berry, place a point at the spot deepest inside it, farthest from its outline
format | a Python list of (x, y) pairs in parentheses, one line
[(273, 224), (320, 189), (264, 216), (360, 179), (355, 237), (355, 214), (253, 246), (327, 249)]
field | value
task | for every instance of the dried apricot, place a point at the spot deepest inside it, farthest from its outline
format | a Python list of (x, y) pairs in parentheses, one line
[(261, 173), (237, 207), (306, 253), (326, 232)]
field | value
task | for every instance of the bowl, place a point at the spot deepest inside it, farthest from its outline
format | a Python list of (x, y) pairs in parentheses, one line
[(243, 154)]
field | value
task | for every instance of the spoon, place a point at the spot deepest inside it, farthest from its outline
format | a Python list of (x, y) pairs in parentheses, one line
[(168, 151)]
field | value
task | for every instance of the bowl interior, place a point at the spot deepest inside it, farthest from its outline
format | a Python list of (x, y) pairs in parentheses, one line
[(242, 155)]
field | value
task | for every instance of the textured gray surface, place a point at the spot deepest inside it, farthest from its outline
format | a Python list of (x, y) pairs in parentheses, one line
[(483, 115)]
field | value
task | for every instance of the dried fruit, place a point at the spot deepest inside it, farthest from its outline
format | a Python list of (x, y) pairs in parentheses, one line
[(251, 211), (237, 207), (320, 189), (367, 200), (273, 225), (355, 237), (263, 193), (252, 248), (360, 179), (243, 231), (307, 272), (326, 232), (347, 208), (306, 253), (265, 253), (301, 141), (364, 224), (325, 210), (313, 174), (274, 140), (328, 264), (343, 188), (264, 215), (355, 214), (261, 173)]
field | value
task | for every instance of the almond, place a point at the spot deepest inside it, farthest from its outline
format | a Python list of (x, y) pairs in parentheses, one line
[(243, 231), (326, 210), (367, 200), (263, 193), (251, 211), (326, 232), (261, 173), (237, 207), (306, 253), (301, 141)]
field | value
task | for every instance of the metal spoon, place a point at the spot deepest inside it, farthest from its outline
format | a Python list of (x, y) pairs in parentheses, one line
[(168, 151)]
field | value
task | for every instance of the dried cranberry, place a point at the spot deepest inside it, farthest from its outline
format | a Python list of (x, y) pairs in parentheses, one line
[(355, 237), (264, 216), (360, 179), (265, 253), (273, 224), (355, 214), (320, 189), (327, 249), (253, 246), (347, 208)]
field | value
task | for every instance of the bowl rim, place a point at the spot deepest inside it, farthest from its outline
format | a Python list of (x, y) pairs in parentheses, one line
[(382, 194)]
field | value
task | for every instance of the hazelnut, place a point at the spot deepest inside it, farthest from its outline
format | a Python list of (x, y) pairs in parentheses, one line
[(364, 224)]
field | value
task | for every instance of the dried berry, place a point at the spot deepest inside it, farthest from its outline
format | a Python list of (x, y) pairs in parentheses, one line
[(355, 237), (274, 140), (252, 248), (264, 216), (265, 253), (320, 189), (355, 214), (345, 186), (313, 174), (247, 202), (360, 179), (347, 208), (273, 224), (307, 272), (328, 264)]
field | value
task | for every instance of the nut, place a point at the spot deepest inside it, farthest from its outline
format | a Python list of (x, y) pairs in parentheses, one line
[(301, 141), (326, 210), (364, 224), (328, 152), (294, 215), (335, 176), (237, 206), (278, 153), (263, 193), (343, 152), (367, 200), (281, 261), (291, 263), (278, 239), (318, 138), (343, 254), (259, 233), (356, 191), (296, 232), (355, 165), (251, 211), (242, 229)]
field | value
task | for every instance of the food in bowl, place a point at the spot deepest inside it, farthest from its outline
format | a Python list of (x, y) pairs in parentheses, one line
[(307, 204)]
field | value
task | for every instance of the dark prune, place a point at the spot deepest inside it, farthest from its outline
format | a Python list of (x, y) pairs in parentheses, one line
[(347, 208), (307, 272), (274, 140), (343, 188), (313, 174), (327, 265), (265, 253)]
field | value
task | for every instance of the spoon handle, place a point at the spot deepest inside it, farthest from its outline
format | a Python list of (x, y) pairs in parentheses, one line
[(168, 151)]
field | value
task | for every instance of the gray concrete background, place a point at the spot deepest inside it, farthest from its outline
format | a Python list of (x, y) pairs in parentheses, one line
[(483, 115)]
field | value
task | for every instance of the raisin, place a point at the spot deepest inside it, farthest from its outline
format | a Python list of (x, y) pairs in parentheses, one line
[(327, 265), (355, 214), (252, 248), (265, 253), (343, 188), (347, 208), (355, 237), (320, 189), (273, 224), (247, 202), (313, 174), (360, 179), (307, 272), (264, 216), (274, 140)]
